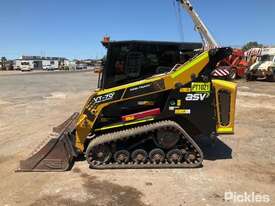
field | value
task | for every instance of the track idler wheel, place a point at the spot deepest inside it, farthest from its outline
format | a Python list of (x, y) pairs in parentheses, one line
[(122, 156), (190, 157), (139, 156), (100, 154), (157, 156), (174, 156)]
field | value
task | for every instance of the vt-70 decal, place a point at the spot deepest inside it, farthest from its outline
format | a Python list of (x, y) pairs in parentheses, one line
[(104, 98)]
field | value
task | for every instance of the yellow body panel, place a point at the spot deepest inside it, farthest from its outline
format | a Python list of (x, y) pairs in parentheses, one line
[(188, 67), (133, 84), (231, 87), (182, 75)]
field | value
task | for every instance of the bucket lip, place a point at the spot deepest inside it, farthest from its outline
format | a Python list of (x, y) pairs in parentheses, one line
[(64, 137), (62, 143)]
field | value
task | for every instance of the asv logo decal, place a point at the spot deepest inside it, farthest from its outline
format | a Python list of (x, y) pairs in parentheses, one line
[(196, 97), (104, 98)]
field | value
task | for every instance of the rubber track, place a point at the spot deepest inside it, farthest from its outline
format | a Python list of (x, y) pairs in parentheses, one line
[(132, 132)]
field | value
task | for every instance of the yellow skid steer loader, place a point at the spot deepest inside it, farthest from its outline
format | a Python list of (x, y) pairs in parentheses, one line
[(154, 100)]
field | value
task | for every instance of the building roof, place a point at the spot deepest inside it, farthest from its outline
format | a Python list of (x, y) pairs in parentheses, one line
[(41, 58)]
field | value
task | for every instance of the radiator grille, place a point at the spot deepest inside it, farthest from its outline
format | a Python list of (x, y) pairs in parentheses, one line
[(224, 107)]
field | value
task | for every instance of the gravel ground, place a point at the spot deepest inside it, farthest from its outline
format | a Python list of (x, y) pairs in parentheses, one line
[(30, 105)]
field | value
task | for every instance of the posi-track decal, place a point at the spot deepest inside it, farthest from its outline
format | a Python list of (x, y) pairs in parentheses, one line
[(144, 88)]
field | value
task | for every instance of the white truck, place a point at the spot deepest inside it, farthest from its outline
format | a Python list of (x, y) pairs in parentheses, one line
[(26, 66), (264, 67)]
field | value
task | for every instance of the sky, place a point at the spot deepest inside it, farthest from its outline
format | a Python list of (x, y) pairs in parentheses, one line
[(74, 28)]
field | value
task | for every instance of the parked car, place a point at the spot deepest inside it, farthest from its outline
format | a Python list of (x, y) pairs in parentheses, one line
[(49, 67), (81, 66)]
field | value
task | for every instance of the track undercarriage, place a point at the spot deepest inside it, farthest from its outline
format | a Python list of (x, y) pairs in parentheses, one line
[(162, 144)]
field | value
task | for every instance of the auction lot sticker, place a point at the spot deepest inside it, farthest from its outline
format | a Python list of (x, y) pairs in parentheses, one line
[(200, 87)]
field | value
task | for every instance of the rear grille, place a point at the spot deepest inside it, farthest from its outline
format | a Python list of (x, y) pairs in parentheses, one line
[(224, 107)]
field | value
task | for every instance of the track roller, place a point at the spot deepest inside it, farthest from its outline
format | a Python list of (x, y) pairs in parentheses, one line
[(139, 156), (157, 155), (174, 156), (122, 156)]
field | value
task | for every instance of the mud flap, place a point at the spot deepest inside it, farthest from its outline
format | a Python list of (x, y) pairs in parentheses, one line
[(58, 154)]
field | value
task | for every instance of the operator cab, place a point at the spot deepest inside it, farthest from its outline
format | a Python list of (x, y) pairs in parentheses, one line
[(129, 61)]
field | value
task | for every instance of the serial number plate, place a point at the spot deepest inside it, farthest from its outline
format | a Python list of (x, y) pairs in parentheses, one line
[(200, 87)]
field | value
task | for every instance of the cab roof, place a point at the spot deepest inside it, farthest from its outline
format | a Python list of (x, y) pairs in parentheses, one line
[(180, 45)]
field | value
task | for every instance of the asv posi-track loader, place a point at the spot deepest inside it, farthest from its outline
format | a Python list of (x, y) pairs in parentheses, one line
[(155, 99)]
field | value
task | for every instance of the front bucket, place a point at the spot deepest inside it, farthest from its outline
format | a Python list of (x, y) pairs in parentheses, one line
[(57, 155)]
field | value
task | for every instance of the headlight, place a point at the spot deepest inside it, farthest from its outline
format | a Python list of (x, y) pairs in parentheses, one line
[(270, 69)]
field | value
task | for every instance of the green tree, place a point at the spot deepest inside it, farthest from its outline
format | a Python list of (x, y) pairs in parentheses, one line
[(3, 63), (252, 44)]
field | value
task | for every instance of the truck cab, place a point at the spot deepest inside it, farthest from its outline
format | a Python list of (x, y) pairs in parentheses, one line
[(26, 66), (129, 61), (264, 67)]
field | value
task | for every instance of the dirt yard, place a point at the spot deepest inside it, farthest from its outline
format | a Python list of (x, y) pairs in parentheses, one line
[(31, 104)]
